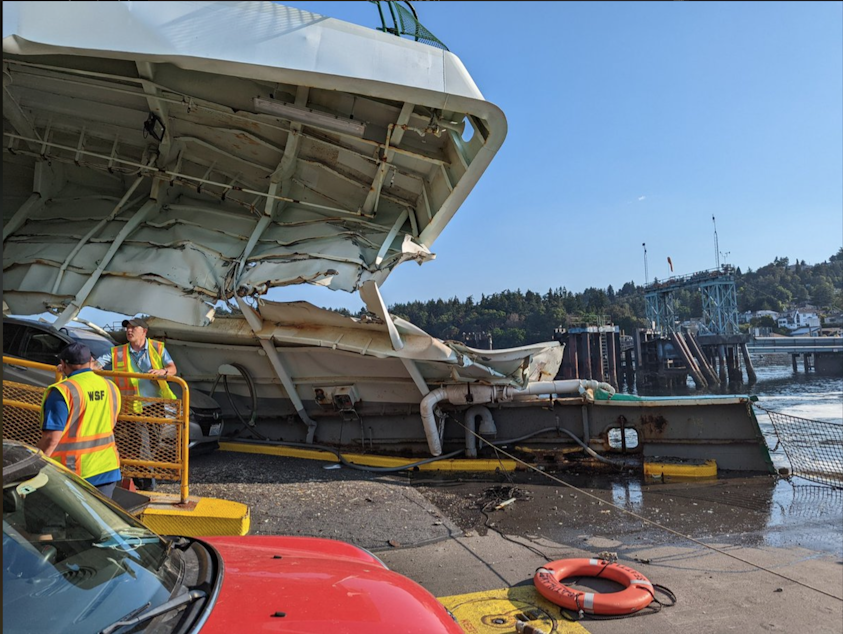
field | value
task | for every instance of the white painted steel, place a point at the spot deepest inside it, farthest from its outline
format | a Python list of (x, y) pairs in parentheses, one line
[(283, 200)]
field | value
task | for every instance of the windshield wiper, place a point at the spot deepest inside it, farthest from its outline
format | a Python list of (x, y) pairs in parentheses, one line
[(167, 606), (131, 539)]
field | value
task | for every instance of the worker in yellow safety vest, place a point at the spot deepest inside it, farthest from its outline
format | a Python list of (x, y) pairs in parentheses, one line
[(78, 417), (141, 356)]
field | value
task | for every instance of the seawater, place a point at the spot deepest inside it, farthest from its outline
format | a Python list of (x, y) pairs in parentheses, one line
[(808, 396), (811, 396)]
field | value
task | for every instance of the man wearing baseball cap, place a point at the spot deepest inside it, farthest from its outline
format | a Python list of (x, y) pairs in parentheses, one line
[(78, 416), (141, 356)]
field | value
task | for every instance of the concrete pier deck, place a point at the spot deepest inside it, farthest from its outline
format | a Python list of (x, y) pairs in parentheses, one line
[(758, 554)]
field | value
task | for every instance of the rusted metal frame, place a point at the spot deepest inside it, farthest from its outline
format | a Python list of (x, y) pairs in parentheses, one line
[(385, 157), (151, 208)]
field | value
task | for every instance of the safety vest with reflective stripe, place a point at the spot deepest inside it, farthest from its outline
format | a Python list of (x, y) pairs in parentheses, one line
[(87, 445), (121, 361)]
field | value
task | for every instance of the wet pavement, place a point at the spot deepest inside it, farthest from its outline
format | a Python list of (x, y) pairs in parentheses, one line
[(740, 552)]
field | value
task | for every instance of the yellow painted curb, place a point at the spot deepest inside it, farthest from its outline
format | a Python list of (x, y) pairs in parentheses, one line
[(686, 469), (198, 517), (372, 461), (495, 612)]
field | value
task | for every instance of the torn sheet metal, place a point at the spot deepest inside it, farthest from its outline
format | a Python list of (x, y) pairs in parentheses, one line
[(146, 171), (299, 330)]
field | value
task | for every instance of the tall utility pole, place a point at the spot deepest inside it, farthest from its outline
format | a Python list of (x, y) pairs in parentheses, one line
[(646, 272), (716, 244)]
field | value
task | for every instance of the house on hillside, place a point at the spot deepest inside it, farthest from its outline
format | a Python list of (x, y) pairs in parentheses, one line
[(746, 317), (800, 322)]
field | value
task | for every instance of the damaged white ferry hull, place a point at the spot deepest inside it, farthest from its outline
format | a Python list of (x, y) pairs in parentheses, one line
[(168, 158), (352, 389)]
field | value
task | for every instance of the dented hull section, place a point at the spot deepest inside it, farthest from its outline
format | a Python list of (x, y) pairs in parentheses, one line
[(146, 171), (166, 164)]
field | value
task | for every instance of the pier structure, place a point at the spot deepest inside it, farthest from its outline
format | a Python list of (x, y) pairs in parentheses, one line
[(713, 355), (596, 352), (823, 355)]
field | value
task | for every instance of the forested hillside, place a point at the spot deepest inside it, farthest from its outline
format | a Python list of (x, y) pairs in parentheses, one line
[(515, 318)]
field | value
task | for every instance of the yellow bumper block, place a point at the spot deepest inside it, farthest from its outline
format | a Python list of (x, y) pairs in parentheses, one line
[(656, 469), (496, 611), (197, 517), (458, 464)]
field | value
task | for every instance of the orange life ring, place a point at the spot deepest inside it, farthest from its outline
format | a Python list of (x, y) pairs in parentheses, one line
[(637, 595)]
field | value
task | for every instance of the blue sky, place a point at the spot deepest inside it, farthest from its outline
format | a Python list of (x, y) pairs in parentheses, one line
[(631, 123), (635, 122)]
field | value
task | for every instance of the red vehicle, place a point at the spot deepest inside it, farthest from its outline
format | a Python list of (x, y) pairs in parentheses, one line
[(74, 561)]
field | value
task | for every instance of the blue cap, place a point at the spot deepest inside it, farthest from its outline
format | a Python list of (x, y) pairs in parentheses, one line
[(75, 354)]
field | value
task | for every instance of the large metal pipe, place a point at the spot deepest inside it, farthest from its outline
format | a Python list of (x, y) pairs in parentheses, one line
[(479, 394), (487, 427)]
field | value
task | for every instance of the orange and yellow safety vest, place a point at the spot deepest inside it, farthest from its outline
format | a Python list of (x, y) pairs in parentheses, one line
[(87, 445), (121, 361)]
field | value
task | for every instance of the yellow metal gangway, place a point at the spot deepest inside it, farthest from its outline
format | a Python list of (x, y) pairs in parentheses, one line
[(152, 434)]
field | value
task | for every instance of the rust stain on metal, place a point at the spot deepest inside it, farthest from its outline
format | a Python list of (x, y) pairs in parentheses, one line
[(653, 424), (248, 139)]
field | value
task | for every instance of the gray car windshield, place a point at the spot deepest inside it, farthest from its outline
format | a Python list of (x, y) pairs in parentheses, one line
[(72, 562), (98, 345)]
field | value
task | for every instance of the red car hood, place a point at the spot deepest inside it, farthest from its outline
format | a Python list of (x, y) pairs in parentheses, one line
[(320, 586)]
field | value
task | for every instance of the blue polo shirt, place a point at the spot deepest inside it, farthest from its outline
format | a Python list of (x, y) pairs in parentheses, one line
[(55, 419), (142, 364)]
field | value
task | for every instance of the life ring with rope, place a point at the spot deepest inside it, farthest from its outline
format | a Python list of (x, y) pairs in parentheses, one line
[(637, 594)]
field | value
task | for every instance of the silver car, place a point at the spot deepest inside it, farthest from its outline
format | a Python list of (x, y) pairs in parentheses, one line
[(40, 342)]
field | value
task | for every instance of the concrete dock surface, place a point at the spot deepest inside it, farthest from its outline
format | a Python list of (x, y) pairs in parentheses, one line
[(741, 554)]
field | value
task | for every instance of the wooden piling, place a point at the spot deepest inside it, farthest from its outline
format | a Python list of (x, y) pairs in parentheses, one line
[(707, 370), (732, 366), (751, 377), (685, 353), (721, 361), (613, 366), (793, 361)]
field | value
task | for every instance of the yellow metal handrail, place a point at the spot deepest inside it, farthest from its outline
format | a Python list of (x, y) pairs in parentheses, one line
[(23, 430)]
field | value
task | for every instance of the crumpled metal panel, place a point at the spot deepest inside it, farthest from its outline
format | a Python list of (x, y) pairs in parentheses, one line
[(151, 167), (295, 324)]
